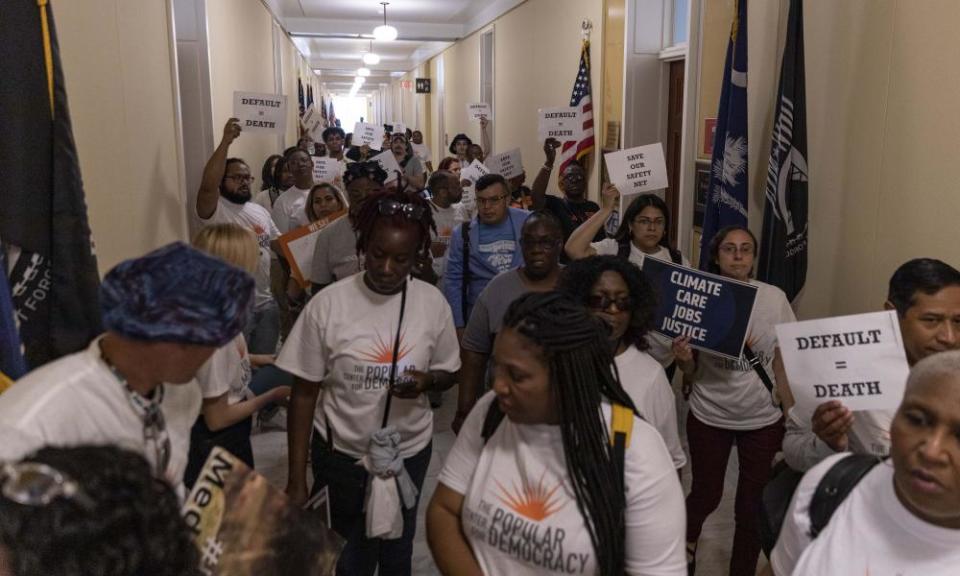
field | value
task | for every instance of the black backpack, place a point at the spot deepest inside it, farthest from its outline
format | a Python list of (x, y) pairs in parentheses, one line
[(831, 491)]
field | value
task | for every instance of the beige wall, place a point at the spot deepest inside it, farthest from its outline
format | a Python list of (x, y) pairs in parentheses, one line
[(883, 109), (117, 61), (535, 64)]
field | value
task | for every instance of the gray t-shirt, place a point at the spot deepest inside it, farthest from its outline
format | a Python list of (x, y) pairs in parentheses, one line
[(487, 316), (335, 256)]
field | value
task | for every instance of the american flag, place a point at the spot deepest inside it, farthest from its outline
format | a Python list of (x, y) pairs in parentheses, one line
[(331, 117), (580, 99)]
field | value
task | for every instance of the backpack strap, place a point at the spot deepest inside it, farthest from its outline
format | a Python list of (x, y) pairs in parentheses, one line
[(623, 250), (465, 284), (675, 256), (835, 486), (621, 429)]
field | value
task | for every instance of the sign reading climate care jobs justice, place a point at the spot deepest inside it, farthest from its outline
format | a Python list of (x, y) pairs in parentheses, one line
[(858, 360), (712, 310), (260, 112)]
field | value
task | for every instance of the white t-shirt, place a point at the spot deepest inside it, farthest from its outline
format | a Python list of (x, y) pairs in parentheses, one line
[(263, 198), (520, 514), (728, 393), (253, 217), (870, 533), (227, 372), (869, 434), (288, 206), (345, 339), (78, 400), (661, 347), (446, 220), (645, 381)]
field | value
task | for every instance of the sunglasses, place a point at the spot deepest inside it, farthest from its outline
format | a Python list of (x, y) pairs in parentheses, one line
[(393, 207), (603, 303), (37, 484)]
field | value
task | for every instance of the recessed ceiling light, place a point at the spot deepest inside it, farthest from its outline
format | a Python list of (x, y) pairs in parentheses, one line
[(363, 71)]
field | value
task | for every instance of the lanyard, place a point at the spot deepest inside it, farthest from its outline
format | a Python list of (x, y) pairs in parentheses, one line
[(154, 424)]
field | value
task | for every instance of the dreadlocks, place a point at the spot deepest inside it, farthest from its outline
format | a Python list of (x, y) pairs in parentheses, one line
[(575, 347), (413, 212), (579, 276)]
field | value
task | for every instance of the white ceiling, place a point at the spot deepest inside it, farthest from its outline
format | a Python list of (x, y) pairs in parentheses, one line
[(333, 34)]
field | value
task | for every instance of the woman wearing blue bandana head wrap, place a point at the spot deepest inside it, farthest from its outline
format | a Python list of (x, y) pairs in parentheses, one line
[(164, 314)]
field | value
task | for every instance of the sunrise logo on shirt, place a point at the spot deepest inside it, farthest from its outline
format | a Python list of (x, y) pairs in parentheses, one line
[(382, 351), (537, 502)]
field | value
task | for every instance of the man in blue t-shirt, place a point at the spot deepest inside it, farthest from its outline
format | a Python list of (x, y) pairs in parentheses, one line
[(492, 246)]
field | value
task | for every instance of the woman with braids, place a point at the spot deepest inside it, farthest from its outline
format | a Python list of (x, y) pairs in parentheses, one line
[(617, 293), (731, 404), (376, 342), (90, 511), (533, 484)]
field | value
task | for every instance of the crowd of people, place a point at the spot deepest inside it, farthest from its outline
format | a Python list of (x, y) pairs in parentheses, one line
[(536, 310)]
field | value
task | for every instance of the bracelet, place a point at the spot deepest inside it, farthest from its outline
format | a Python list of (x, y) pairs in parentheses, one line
[(547, 167)]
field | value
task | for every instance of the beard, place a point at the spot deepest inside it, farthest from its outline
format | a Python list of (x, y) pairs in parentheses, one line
[(237, 197)]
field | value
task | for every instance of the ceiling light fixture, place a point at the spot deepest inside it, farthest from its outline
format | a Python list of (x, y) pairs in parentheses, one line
[(371, 58), (359, 80), (363, 71), (385, 33)]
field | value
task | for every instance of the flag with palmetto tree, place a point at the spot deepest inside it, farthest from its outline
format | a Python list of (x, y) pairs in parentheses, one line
[(727, 193)]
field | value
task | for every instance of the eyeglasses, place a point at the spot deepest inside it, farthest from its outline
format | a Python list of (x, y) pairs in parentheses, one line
[(393, 207), (239, 177), (603, 302), (648, 223), (541, 243), (732, 249), (37, 484), (492, 201)]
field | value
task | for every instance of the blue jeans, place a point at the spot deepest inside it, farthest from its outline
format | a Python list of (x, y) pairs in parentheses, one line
[(262, 331), (347, 483)]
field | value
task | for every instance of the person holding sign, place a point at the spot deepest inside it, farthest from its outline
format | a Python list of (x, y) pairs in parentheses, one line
[(376, 342), (460, 148), (926, 295), (730, 403), (225, 198), (574, 209), (553, 471), (421, 150), (903, 515), (616, 292)]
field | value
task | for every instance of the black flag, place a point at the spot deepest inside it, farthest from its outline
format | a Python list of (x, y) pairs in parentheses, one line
[(43, 219), (783, 250)]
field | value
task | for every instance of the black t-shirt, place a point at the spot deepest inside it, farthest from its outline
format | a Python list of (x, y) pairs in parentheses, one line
[(573, 214)]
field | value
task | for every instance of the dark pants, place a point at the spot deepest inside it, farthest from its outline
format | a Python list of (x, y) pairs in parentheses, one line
[(709, 452), (347, 483), (235, 439)]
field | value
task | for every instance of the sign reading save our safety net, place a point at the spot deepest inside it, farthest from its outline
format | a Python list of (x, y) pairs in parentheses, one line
[(243, 526)]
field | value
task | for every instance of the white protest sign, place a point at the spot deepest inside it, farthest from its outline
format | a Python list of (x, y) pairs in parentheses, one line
[(421, 150), (311, 119), (369, 134), (399, 128), (260, 112), (478, 110), (473, 172), (564, 124), (506, 164), (637, 170), (389, 163), (325, 169), (858, 360)]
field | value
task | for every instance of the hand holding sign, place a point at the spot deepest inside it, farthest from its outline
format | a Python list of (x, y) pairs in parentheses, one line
[(857, 360), (260, 112), (231, 131), (637, 170)]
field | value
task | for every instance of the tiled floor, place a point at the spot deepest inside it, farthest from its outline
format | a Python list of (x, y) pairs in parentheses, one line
[(713, 555)]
